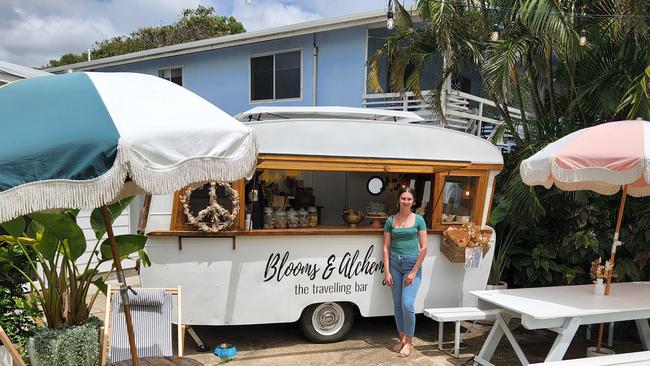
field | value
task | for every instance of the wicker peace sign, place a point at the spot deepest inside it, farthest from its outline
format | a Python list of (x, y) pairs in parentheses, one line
[(220, 218)]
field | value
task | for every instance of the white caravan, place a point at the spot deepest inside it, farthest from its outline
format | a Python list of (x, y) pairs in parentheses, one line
[(314, 163)]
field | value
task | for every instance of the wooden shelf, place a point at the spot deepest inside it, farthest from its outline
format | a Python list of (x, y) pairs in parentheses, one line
[(321, 230)]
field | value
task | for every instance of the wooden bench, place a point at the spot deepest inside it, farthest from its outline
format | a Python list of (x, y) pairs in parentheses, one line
[(622, 359), (442, 315)]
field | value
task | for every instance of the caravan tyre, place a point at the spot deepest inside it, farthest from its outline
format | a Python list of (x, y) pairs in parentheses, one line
[(327, 322)]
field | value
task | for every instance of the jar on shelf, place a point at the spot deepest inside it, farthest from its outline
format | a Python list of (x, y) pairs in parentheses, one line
[(280, 219), (303, 218), (292, 219), (312, 216), (268, 218)]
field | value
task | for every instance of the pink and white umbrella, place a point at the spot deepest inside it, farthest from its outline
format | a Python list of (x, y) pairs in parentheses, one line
[(603, 159)]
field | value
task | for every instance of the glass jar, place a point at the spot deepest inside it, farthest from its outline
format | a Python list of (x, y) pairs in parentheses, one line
[(303, 218), (312, 216), (280, 219), (292, 219), (268, 218)]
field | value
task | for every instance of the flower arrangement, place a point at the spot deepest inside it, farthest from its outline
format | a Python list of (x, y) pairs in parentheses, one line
[(599, 270)]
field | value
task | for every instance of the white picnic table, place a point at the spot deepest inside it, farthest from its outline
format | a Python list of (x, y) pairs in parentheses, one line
[(562, 309)]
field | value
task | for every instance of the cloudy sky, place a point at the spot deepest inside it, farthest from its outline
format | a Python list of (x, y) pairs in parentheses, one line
[(34, 31)]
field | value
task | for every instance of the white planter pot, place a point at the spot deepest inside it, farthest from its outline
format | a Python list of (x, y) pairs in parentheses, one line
[(591, 352), (5, 357), (501, 286)]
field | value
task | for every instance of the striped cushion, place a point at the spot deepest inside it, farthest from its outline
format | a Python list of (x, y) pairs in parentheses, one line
[(151, 311)]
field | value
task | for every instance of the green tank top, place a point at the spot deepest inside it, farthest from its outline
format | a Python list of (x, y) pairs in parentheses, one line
[(404, 240)]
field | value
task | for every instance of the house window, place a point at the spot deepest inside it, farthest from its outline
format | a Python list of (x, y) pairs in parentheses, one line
[(173, 74), (276, 76)]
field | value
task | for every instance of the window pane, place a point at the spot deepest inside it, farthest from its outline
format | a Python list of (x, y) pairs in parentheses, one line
[(287, 60), (287, 83), (458, 199), (161, 74), (177, 76), (287, 75), (262, 78)]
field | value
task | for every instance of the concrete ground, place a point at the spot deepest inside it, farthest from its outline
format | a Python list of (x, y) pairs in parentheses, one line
[(368, 343)]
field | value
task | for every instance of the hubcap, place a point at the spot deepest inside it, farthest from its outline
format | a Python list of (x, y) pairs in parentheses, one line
[(328, 318)]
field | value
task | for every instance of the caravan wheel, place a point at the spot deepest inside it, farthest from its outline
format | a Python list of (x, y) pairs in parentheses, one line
[(327, 322)]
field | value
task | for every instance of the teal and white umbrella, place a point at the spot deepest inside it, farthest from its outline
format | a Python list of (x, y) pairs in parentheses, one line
[(73, 140), (83, 140)]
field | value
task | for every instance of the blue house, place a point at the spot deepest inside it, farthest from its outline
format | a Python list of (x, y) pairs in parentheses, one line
[(319, 63)]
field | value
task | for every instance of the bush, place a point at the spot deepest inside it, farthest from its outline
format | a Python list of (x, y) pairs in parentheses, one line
[(17, 313), (68, 346)]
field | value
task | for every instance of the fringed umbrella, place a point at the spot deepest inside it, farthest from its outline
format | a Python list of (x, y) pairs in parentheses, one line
[(83, 140), (604, 159)]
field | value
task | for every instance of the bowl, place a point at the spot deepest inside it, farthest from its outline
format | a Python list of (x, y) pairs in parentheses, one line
[(352, 217), (225, 350)]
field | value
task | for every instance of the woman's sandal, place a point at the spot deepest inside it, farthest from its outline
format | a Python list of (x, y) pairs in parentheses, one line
[(398, 347), (405, 353)]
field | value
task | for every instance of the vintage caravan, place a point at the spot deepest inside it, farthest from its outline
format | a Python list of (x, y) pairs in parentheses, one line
[(290, 253)]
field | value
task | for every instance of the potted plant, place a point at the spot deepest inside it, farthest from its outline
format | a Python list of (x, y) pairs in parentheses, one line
[(52, 244), (501, 259)]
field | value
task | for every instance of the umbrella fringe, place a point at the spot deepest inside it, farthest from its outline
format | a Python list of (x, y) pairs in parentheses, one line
[(63, 193), (88, 194), (603, 176), (195, 170)]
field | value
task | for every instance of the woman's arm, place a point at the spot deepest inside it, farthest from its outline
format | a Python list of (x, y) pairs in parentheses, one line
[(388, 279)]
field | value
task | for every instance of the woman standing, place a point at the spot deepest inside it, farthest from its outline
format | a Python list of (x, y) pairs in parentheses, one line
[(405, 246)]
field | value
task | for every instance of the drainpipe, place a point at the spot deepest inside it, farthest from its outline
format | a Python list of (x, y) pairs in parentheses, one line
[(315, 75)]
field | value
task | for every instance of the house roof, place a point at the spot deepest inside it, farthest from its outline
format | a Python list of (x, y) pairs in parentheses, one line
[(10, 72), (321, 25)]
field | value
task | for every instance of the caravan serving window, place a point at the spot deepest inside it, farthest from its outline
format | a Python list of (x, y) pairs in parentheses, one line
[(460, 197), (276, 76)]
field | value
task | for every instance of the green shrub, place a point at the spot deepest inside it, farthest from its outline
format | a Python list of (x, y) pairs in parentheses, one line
[(68, 346)]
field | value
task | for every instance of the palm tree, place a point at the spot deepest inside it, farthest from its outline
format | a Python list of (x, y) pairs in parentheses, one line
[(538, 64)]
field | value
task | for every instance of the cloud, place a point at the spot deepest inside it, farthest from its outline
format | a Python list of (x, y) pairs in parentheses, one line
[(35, 31), (265, 14)]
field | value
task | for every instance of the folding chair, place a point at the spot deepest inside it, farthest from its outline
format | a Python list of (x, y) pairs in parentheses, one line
[(151, 311)]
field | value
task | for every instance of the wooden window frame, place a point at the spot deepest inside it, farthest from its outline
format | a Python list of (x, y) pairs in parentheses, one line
[(479, 196), (178, 215), (438, 169)]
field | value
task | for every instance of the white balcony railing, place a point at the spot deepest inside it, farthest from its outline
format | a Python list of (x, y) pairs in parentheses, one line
[(463, 111)]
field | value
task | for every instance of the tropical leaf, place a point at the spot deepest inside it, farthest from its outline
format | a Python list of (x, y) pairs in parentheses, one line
[(15, 227), (115, 210), (65, 229), (126, 244)]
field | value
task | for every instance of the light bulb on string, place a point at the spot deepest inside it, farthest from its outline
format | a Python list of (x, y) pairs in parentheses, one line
[(249, 2), (583, 37), (390, 16), (495, 33)]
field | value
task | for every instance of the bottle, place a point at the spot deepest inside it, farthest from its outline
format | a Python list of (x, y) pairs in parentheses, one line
[(599, 287), (280, 219), (303, 218), (268, 218), (292, 219), (313, 216)]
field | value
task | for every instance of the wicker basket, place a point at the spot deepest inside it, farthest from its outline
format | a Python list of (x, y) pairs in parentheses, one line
[(454, 252)]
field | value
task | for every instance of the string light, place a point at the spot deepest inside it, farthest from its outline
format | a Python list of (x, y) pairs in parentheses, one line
[(583, 37), (390, 21), (249, 2), (495, 33)]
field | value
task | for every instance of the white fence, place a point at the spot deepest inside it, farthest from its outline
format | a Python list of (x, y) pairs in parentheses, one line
[(463, 111)]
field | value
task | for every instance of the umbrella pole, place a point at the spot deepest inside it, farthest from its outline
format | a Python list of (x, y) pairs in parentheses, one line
[(123, 287), (612, 256)]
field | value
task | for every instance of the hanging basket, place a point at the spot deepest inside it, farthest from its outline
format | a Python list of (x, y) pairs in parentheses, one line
[(455, 240)]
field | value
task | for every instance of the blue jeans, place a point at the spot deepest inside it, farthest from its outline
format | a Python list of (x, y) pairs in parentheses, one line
[(404, 296)]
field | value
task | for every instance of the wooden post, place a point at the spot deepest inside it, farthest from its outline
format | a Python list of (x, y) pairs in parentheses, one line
[(10, 347), (123, 288), (612, 257)]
